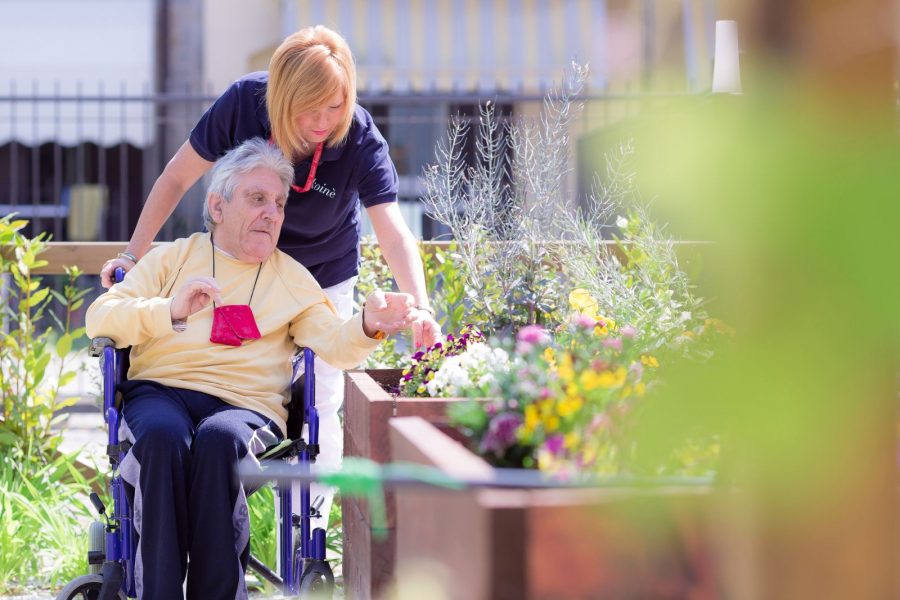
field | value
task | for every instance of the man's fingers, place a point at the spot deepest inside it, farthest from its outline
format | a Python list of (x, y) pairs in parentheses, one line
[(376, 300), (207, 286)]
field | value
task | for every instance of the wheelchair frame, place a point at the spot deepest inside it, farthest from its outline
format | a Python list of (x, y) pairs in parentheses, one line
[(303, 567)]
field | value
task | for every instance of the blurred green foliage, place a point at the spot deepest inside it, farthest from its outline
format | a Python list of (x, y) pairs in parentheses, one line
[(29, 382)]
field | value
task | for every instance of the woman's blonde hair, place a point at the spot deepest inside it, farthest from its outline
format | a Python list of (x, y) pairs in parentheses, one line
[(306, 71)]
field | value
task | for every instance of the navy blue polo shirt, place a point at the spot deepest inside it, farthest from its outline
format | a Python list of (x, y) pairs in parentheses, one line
[(321, 226)]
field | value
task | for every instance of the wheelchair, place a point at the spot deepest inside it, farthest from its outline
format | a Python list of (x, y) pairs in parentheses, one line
[(111, 542)]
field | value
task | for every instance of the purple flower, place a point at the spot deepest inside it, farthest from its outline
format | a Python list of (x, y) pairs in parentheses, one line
[(614, 343), (501, 433), (628, 332), (554, 444), (637, 369), (533, 334), (584, 321)]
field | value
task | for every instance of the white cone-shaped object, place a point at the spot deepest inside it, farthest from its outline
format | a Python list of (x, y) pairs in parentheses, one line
[(726, 64)]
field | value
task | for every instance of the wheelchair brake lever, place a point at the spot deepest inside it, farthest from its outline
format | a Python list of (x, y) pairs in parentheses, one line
[(98, 504)]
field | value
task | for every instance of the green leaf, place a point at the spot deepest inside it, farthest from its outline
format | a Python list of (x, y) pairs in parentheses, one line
[(64, 345), (67, 378), (38, 296), (67, 402), (59, 297)]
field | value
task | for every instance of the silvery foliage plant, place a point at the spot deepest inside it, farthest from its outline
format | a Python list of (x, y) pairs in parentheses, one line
[(502, 207), (524, 244)]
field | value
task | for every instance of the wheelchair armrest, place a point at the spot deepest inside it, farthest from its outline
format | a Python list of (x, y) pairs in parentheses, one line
[(98, 344)]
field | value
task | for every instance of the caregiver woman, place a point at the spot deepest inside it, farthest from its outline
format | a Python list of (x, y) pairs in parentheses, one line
[(306, 104)]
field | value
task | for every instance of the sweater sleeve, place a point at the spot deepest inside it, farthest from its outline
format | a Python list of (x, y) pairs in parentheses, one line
[(342, 344), (133, 312)]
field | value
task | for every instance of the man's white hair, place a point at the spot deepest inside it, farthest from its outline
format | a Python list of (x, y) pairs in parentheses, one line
[(252, 154)]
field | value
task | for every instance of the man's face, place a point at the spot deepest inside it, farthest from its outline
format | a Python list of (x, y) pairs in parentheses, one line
[(248, 226)]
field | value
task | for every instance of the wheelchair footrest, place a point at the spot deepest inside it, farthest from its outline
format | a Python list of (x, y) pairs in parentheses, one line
[(289, 449)]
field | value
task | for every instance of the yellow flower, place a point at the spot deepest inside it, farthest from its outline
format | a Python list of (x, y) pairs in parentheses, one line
[(589, 454), (420, 389), (545, 460), (572, 440), (580, 300), (639, 389), (569, 405), (550, 357), (430, 375), (649, 361), (604, 326), (531, 419), (565, 371), (719, 326), (405, 371), (592, 380), (551, 423)]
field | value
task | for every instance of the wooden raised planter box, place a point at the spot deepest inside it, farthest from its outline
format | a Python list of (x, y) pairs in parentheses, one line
[(368, 565), (551, 543)]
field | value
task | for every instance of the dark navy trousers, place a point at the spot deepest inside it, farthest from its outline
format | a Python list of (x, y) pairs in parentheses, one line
[(188, 501)]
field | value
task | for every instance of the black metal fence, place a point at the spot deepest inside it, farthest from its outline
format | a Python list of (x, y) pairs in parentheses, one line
[(79, 166)]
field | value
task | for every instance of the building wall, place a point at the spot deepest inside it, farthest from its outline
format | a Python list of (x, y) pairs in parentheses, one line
[(234, 32)]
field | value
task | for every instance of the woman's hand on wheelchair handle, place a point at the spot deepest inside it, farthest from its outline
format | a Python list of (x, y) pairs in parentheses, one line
[(389, 312), (110, 266), (194, 295)]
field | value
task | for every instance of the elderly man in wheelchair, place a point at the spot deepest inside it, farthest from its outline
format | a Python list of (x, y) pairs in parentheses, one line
[(212, 320)]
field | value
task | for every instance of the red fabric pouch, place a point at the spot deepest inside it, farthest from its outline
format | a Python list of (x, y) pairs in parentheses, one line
[(232, 324)]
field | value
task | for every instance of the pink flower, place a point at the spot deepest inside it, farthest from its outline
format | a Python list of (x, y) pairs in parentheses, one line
[(637, 369), (584, 321), (628, 332), (531, 336), (598, 422), (614, 343)]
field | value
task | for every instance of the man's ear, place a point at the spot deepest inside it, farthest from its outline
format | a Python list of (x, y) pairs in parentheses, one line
[(214, 202)]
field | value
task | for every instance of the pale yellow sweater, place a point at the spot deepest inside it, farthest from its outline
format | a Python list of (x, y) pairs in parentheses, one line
[(289, 306)]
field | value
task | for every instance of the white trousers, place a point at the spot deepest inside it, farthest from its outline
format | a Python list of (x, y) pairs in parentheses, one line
[(329, 398)]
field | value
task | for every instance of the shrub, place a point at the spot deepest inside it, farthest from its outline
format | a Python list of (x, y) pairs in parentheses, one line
[(43, 517), (29, 392)]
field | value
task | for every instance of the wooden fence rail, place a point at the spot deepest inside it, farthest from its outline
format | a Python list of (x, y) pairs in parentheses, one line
[(90, 256)]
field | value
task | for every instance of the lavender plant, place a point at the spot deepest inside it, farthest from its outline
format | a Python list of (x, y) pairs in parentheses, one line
[(503, 209)]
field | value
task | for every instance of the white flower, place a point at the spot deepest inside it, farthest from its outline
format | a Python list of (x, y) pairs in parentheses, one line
[(474, 368), (621, 222)]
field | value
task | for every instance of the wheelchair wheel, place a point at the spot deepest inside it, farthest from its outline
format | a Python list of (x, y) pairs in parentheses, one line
[(86, 587), (317, 581), (96, 543)]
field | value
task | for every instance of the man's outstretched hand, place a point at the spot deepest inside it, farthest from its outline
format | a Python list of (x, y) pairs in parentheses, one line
[(389, 312)]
